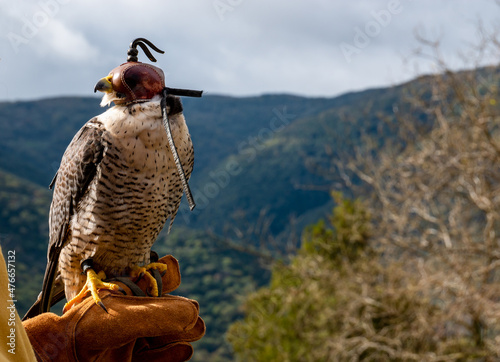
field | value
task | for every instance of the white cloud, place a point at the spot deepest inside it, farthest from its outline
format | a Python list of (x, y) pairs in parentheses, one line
[(67, 44)]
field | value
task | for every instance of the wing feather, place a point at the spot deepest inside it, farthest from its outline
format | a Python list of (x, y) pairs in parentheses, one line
[(78, 168)]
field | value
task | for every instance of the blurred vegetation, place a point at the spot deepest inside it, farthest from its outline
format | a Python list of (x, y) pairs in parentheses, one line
[(335, 301), (23, 229)]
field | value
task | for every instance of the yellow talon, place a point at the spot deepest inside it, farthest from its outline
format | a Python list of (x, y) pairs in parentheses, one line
[(93, 284), (144, 271)]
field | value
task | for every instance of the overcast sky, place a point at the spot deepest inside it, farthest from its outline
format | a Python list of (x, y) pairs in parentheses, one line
[(232, 47)]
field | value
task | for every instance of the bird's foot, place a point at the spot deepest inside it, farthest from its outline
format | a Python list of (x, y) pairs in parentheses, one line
[(144, 271), (93, 284)]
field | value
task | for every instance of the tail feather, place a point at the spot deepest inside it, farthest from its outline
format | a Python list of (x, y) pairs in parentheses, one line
[(47, 291)]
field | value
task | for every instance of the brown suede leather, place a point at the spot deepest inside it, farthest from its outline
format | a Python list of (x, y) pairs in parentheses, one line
[(137, 81), (134, 329)]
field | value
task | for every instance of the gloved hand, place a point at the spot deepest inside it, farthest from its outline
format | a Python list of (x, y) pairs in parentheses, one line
[(134, 329)]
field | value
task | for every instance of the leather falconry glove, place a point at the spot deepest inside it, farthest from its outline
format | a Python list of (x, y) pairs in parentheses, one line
[(136, 328)]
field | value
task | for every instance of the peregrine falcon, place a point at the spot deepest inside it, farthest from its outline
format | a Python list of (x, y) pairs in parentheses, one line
[(118, 183)]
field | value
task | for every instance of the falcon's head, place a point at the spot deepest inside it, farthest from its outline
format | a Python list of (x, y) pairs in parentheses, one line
[(131, 82)]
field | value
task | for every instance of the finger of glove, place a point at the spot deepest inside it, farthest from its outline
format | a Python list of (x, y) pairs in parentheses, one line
[(157, 343), (174, 352), (129, 318)]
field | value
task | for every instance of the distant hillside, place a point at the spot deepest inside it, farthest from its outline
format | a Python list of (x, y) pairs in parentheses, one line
[(24, 230), (270, 164), (36, 133)]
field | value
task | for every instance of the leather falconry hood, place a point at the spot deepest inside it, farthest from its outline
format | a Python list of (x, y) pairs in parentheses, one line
[(136, 81)]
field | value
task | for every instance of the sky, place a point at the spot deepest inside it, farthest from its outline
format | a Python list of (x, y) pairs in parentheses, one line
[(315, 48)]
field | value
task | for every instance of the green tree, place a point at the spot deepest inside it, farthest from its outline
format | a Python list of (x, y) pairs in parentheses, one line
[(337, 300)]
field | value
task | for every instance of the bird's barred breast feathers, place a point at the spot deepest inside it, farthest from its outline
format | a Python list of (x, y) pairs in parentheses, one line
[(136, 188)]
